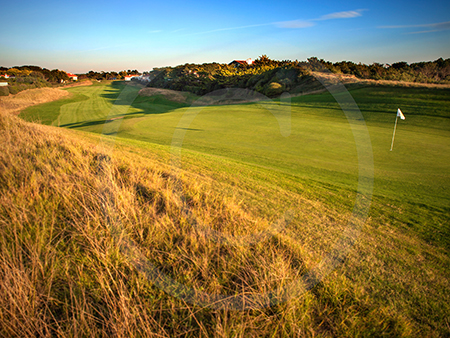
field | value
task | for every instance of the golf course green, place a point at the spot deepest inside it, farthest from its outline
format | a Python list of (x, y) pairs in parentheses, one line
[(320, 145)]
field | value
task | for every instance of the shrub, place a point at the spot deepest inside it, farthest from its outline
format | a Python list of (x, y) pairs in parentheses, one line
[(274, 89), (14, 89), (4, 91)]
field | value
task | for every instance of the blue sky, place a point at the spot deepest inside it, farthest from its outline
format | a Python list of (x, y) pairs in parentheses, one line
[(78, 36)]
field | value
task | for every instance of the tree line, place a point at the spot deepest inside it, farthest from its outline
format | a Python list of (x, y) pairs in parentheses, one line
[(437, 71), (267, 76), (29, 77), (107, 75), (272, 77)]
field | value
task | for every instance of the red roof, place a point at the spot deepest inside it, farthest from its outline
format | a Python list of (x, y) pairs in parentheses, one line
[(70, 74), (242, 62)]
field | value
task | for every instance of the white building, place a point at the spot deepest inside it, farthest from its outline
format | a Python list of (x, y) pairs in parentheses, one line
[(73, 76), (129, 77)]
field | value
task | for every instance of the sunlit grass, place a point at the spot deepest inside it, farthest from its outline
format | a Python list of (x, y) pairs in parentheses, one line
[(69, 207)]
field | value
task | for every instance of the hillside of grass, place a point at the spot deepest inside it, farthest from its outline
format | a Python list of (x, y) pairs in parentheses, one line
[(102, 236), (320, 147)]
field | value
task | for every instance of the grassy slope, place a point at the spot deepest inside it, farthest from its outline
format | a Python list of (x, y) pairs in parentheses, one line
[(53, 191), (415, 176), (394, 282), (14, 104)]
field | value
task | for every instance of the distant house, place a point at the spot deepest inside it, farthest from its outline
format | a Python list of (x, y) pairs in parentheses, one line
[(6, 76), (73, 77), (238, 63), (129, 77), (3, 84)]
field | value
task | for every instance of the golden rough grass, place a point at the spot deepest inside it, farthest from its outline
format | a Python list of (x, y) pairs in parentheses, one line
[(14, 104), (70, 211), (67, 210)]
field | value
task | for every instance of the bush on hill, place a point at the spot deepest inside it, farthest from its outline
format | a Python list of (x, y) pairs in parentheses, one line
[(30, 77), (4, 91), (16, 88), (265, 76)]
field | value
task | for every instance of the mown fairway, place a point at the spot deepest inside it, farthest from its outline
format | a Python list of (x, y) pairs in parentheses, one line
[(240, 174), (320, 146)]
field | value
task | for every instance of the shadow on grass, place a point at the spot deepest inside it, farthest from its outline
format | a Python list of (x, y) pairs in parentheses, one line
[(124, 94), (85, 124)]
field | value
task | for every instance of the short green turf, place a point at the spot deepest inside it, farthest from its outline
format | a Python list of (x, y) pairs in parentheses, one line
[(320, 146)]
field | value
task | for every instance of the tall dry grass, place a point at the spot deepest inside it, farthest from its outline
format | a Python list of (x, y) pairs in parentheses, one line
[(64, 270), (89, 239)]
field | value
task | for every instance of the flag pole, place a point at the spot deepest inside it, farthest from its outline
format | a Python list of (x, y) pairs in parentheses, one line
[(393, 135)]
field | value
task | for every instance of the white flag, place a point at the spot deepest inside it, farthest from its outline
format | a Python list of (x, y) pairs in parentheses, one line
[(400, 114)]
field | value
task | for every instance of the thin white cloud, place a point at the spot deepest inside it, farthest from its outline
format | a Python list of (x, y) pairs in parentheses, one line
[(421, 32), (441, 26), (294, 24), (310, 23), (342, 15), (434, 27), (444, 25)]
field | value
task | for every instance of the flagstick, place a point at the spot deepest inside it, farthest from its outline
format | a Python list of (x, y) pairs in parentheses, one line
[(393, 135)]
